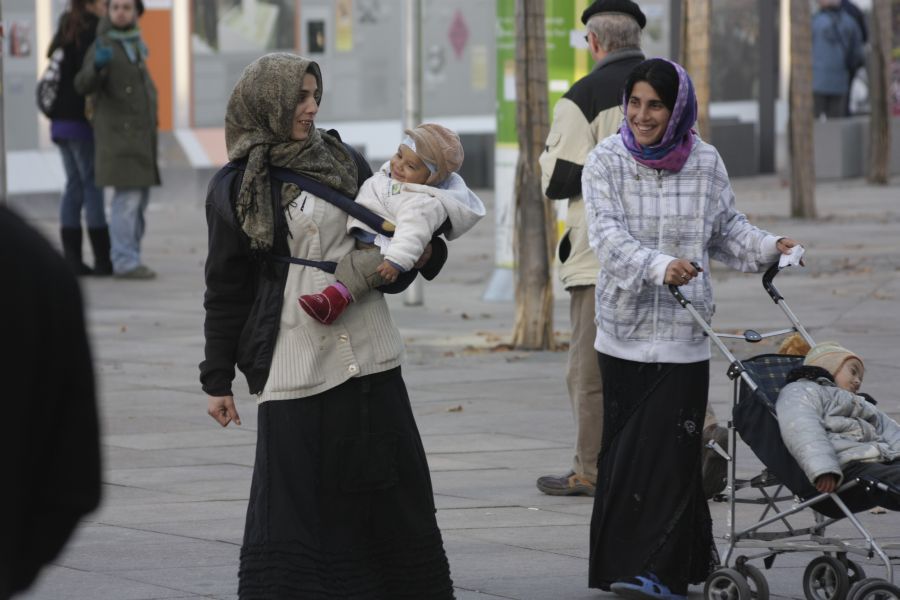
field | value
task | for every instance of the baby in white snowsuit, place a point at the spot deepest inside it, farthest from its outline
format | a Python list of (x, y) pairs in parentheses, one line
[(418, 191)]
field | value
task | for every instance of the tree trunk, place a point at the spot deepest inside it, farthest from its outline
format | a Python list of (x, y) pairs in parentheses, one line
[(800, 134), (879, 80), (534, 230), (695, 56)]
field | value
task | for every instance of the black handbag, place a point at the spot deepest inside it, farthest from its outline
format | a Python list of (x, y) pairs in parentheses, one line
[(48, 86)]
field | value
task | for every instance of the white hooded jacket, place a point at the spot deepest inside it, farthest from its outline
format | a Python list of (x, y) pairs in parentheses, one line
[(417, 211)]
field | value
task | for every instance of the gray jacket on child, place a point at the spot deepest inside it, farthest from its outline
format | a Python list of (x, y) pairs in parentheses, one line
[(825, 428)]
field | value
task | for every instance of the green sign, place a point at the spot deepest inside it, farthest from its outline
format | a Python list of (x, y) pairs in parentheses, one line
[(567, 58)]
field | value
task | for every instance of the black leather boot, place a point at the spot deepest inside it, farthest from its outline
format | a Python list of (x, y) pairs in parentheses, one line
[(100, 244), (71, 243)]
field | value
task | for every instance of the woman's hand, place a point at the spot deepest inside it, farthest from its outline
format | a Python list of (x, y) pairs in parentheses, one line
[(826, 483), (221, 408), (387, 271), (784, 246), (680, 271)]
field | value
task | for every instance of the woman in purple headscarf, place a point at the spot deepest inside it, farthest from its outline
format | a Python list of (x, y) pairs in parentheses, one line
[(659, 205)]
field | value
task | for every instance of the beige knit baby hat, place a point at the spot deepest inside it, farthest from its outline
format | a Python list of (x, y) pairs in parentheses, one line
[(830, 356), (439, 146)]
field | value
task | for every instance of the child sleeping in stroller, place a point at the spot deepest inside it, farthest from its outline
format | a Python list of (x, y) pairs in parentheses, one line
[(834, 432)]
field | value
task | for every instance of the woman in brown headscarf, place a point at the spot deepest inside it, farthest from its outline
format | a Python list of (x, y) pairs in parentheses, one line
[(341, 504)]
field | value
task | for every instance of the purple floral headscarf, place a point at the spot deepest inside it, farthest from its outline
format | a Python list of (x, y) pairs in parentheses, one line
[(673, 149)]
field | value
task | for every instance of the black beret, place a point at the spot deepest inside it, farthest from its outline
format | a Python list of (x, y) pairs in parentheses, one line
[(625, 7)]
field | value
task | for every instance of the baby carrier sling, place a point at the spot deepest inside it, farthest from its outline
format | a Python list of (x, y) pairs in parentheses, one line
[(357, 211), (367, 216)]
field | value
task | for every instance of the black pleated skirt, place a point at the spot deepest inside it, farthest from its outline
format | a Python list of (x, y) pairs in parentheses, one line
[(650, 515), (341, 505)]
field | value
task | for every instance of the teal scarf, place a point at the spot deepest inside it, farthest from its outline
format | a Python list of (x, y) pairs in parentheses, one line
[(131, 42)]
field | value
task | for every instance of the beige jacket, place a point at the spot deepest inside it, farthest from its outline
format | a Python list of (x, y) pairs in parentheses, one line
[(309, 357), (589, 112)]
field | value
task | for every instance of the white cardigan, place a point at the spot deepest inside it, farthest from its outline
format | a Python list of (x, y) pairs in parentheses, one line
[(310, 358)]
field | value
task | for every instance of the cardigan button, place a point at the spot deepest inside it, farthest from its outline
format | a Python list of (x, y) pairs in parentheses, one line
[(353, 368)]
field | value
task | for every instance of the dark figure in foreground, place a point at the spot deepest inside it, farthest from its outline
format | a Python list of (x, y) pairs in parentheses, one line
[(50, 452)]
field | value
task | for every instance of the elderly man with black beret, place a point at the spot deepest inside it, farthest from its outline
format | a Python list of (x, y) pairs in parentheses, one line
[(590, 111)]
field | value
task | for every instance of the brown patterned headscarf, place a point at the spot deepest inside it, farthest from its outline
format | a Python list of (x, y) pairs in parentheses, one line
[(258, 123)]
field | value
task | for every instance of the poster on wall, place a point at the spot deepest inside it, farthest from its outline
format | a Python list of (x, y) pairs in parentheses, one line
[(234, 26), (19, 35), (343, 25), (315, 37)]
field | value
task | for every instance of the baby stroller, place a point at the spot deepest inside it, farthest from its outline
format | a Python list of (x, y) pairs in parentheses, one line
[(830, 576)]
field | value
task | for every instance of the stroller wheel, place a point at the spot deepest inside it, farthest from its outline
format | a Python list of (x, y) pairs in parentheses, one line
[(727, 584), (871, 588), (759, 587), (855, 572), (825, 578)]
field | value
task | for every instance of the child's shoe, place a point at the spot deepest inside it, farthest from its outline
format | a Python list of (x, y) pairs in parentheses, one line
[(326, 306)]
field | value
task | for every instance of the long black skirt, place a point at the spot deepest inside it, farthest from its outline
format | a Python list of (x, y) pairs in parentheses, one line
[(650, 515), (341, 504)]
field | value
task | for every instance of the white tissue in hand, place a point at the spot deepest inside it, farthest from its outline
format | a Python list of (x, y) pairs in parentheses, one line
[(792, 258)]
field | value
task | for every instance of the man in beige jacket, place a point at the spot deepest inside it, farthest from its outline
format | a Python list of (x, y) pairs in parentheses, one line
[(590, 111)]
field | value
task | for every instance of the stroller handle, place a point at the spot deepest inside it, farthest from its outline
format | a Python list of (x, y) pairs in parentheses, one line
[(778, 299), (677, 293), (679, 296), (770, 288)]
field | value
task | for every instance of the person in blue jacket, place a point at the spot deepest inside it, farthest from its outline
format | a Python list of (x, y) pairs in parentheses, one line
[(837, 53)]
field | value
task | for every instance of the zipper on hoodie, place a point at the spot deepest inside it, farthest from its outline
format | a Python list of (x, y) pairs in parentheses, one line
[(659, 238)]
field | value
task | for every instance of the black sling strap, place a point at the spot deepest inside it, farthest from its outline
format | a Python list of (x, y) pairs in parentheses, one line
[(365, 215), (357, 211), (336, 198), (326, 265)]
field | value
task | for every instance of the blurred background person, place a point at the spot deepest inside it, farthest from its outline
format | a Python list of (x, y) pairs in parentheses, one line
[(71, 131), (837, 53), (115, 73)]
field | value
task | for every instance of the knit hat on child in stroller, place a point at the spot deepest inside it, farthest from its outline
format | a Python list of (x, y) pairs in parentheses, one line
[(830, 356), (439, 148)]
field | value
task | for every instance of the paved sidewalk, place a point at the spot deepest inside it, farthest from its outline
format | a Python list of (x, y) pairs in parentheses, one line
[(492, 420)]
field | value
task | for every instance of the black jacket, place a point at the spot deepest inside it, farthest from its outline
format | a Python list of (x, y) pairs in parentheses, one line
[(243, 313), (70, 104)]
